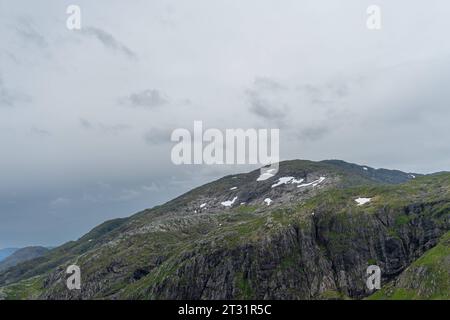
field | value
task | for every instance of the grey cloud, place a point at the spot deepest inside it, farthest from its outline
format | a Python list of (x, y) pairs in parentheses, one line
[(12, 57), (153, 187), (28, 32), (266, 100), (308, 85), (5, 97), (263, 108), (150, 98), (113, 128), (266, 83), (102, 127), (128, 194), (60, 202), (9, 98), (157, 136), (109, 194), (418, 100), (109, 41), (86, 124), (325, 93), (313, 133), (40, 132)]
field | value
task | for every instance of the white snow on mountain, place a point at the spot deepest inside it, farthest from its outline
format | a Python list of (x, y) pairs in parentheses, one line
[(362, 201), (266, 175), (313, 183), (268, 201), (287, 180), (229, 203)]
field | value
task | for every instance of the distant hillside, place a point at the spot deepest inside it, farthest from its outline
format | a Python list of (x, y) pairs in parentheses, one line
[(4, 253), (22, 255), (375, 175)]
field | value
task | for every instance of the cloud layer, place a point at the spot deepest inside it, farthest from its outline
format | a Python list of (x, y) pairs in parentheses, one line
[(86, 116)]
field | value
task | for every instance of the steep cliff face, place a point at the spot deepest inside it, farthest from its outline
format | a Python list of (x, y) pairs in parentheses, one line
[(315, 259), (307, 233), (426, 278)]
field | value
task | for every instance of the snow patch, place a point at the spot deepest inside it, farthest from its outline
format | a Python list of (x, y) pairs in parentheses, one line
[(229, 203), (365, 168), (286, 180), (314, 183), (362, 201), (268, 201), (412, 176), (234, 188), (202, 205), (266, 175)]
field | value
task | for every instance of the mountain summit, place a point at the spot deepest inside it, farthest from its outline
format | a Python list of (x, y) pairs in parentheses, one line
[(308, 232)]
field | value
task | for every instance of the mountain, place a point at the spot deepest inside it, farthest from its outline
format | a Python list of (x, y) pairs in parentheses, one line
[(309, 232), (22, 255), (4, 253)]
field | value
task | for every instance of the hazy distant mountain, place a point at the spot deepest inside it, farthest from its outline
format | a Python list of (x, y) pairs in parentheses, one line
[(6, 252), (308, 232), (22, 255)]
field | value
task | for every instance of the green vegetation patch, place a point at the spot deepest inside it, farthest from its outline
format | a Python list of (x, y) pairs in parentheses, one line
[(28, 289), (243, 284)]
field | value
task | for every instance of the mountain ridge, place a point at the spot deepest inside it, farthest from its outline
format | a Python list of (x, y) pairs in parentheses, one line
[(154, 253), (6, 252), (22, 255)]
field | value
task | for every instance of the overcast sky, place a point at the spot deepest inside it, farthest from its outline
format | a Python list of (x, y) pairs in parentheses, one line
[(86, 116)]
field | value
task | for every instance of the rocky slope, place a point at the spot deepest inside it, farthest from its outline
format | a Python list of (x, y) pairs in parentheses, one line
[(309, 232)]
